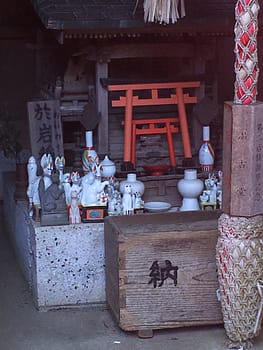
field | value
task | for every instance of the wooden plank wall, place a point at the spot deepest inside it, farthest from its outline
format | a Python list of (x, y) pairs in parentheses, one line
[(150, 149)]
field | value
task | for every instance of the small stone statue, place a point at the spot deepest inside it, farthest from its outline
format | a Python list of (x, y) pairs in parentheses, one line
[(52, 197), (74, 212), (127, 202)]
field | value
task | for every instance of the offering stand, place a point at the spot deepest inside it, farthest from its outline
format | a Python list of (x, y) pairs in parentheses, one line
[(63, 265), (161, 270)]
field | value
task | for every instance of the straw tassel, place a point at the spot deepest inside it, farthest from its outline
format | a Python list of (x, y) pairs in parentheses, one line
[(163, 11)]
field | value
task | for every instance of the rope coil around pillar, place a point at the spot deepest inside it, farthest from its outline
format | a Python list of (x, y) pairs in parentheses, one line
[(239, 261), (246, 61)]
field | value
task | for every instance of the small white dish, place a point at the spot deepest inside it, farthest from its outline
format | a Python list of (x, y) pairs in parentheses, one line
[(174, 209), (157, 207)]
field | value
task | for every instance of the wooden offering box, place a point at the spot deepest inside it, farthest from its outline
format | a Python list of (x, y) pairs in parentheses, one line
[(161, 270)]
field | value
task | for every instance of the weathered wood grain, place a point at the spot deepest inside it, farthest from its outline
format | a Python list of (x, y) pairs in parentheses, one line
[(242, 159), (188, 241)]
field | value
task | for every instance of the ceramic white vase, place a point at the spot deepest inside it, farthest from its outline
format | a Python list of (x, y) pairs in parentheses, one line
[(89, 156), (190, 187), (136, 185), (108, 167)]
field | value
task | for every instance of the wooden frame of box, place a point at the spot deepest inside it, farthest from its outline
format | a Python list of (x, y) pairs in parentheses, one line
[(161, 270)]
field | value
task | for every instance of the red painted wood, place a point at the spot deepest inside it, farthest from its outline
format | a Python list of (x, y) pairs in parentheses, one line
[(184, 124), (168, 127), (128, 126), (130, 100), (187, 84)]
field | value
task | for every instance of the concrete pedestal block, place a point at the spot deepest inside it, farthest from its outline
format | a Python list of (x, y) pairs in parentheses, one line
[(69, 265), (63, 265)]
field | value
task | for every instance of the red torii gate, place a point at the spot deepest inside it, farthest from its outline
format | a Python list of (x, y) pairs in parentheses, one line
[(129, 101)]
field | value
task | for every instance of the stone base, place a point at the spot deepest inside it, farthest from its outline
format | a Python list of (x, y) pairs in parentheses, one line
[(62, 265), (54, 219), (69, 265)]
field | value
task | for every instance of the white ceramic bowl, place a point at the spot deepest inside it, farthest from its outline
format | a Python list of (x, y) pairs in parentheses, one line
[(157, 207)]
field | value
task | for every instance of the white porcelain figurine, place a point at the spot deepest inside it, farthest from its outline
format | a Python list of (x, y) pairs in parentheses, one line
[(60, 165), (91, 188), (32, 189), (74, 212), (127, 200)]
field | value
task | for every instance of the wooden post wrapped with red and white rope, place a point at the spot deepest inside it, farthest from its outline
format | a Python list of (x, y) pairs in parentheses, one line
[(246, 62), (239, 248)]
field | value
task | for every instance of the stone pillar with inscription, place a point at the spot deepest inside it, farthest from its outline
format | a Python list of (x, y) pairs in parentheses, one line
[(239, 248), (243, 159)]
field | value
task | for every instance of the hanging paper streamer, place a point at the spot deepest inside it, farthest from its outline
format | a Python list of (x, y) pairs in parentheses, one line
[(246, 62), (163, 11)]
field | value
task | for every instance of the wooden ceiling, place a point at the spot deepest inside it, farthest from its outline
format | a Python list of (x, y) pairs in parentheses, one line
[(202, 16)]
